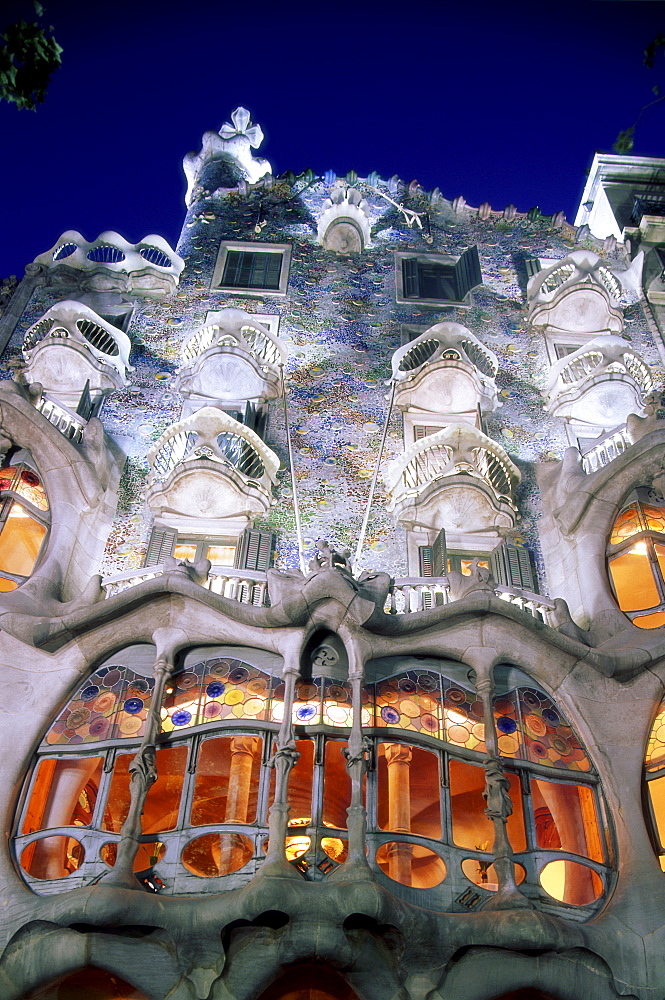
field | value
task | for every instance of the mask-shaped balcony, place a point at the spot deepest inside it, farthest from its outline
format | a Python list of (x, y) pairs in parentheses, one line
[(211, 466), (71, 346), (578, 295), (457, 477), (446, 370), (110, 263), (233, 358), (599, 384)]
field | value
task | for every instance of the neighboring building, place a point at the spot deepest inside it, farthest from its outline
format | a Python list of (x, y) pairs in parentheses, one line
[(332, 597)]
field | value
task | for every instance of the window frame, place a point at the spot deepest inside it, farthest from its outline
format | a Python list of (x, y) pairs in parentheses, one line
[(237, 246), (445, 260), (650, 537)]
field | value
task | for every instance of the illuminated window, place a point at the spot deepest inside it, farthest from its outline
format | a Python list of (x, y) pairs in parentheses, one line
[(654, 772), (206, 815), (636, 558), (24, 521)]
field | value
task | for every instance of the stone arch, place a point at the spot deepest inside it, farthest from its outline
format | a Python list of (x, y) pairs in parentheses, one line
[(309, 981)]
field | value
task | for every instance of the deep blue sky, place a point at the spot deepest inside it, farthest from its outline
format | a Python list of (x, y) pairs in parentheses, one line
[(504, 102)]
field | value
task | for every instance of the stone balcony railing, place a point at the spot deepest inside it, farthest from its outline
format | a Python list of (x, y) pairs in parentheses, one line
[(70, 425), (606, 450), (407, 595), (458, 449)]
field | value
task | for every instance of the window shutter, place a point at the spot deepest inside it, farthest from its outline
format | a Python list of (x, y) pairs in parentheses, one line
[(511, 567), (410, 280), (161, 545), (425, 560), (468, 271), (254, 550), (532, 265), (440, 555)]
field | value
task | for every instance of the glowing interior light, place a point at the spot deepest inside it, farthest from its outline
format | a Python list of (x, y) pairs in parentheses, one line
[(639, 549), (296, 846), (456, 717)]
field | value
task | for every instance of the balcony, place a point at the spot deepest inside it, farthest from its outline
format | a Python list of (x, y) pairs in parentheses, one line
[(71, 347), (110, 263), (446, 370), (599, 384), (211, 466), (233, 358), (577, 295), (458, 477)]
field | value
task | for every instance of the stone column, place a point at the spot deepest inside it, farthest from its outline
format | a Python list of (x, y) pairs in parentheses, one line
[(357, 754), (398, 761), (499, 805), (243, 749), (283, 760), (143, 769)]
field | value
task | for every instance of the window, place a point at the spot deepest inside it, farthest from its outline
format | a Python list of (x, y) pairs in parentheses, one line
[(24, 521), (206, 815), (253, 267), (435, 279), (252, 549), (636, 558)]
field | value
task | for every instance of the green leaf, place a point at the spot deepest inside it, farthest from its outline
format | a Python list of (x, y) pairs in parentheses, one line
[(624, 141)]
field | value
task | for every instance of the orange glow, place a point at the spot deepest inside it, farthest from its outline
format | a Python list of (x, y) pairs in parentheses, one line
[(163, 798), (471, 827), (216, 854), (633, 579), (411, 864), (88, 984), (409, 790), (227, 780), (20, 542)]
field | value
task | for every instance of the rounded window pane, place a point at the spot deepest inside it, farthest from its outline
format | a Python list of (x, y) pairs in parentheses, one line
[(482, 872), (335, 848), (411, 864), (147, 855), (571, 882), (52, 857), (216, 854)]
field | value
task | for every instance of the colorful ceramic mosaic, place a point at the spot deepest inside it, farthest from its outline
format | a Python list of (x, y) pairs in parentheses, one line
[(655, 755), (540, 730), (112, 704)]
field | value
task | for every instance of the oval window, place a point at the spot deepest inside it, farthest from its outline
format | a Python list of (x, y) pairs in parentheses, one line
[(482, 873), (216, 854), (411, 864), (52, 857), (571, 882)]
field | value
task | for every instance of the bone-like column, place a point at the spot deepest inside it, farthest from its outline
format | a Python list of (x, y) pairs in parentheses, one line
[(497, 796), (357, 754), (283, 760), (143, 768)]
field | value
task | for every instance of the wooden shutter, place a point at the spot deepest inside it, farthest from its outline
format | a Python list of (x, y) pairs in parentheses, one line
[(439, 555), (468, 271), (410, 280), (434, 558), (254, 550), (532, 265), (161, 545), (511, 567)]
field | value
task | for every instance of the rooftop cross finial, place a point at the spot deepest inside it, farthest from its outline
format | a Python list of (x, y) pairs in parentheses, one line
[(241, 127)]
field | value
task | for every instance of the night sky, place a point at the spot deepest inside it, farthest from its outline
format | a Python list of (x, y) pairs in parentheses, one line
[(500, 102)]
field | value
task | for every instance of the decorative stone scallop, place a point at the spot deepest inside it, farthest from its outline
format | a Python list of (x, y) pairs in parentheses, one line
[(344, 223), (234, 143), (71, 345), (579, 294), (234, 357), (446, 370)]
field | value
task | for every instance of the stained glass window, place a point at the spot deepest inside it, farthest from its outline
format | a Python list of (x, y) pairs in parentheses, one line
[(24, 523), (531, 727)]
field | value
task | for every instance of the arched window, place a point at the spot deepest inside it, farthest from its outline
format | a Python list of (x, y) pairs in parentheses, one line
[(24, 521), (654, 773), (636, 558), (205, 822)]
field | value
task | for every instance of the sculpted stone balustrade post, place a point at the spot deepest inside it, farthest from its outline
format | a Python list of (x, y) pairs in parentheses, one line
[(143, 768), (284, 758), (357, 762)]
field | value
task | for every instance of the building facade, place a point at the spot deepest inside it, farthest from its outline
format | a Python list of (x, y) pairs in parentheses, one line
[(332, 596)]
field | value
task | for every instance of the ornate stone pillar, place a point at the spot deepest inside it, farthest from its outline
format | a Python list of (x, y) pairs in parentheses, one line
[(143, 769), (398, 761), (499, 805), (283, 760), (357, 756), (243, 749)]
